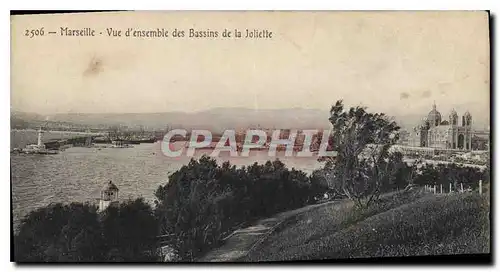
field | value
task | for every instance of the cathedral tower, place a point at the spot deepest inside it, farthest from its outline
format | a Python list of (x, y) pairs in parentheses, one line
[(454, 129), (453, 118)]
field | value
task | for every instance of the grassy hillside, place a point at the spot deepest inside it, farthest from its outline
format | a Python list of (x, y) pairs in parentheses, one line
[(399, 225)]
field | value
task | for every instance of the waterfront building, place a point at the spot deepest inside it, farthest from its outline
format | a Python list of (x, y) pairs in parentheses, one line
[(109, 196)]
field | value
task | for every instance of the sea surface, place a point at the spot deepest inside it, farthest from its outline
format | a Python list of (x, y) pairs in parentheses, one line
[(79, 173)]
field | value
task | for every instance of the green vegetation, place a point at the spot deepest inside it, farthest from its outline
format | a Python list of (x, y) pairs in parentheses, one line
[(444, 174), (77, 233), (203, 202), (380, 212), (363, 168), (400, 224)]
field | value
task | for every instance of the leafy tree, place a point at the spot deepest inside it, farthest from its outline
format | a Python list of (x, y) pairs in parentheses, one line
[(203, 202), (321, 179), (130, 231), (63, 233), (362, 141), (77, 233)]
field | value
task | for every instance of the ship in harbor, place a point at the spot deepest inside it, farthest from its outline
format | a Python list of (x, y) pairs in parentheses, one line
[(118, 143)]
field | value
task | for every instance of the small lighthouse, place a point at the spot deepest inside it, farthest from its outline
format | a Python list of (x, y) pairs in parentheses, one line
[(109, 196), (39, 142)]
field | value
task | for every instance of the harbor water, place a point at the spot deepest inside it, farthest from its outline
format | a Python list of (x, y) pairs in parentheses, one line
[(78, 173)]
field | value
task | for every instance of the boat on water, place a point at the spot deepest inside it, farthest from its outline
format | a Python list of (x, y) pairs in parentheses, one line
[(120, 144), (37, 149), (151, 140)]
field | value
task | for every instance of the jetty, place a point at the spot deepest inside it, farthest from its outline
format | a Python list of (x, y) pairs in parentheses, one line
[(38, 148)]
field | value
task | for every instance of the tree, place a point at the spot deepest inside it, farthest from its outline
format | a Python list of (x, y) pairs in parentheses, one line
[(130, 231), (77, 233), (59, 232), (322, 181), (446, 174), (203, 202), (362, 141)]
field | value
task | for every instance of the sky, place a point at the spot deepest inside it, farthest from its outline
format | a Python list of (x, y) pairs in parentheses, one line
[(395, 62)]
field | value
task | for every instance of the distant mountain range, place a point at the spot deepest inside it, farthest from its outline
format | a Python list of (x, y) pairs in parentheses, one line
[(216, 119)]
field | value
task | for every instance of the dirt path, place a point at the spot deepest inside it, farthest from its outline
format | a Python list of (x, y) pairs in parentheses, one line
[(242, 241)]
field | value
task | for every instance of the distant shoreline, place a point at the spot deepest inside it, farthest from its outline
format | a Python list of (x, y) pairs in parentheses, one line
[(57, 131)]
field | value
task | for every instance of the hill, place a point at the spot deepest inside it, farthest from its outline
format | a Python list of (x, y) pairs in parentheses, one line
[(408, 224), (215, 119)]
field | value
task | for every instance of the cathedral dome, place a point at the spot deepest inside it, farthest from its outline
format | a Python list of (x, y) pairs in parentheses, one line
[(434, 116)]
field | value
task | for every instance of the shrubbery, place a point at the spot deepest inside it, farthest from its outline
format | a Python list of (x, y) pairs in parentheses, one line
[(203, 202), (369, 180), (77, 233), (444, 174)]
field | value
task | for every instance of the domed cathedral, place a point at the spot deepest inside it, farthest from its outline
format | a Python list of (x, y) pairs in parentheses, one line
[(434, 117), (446, 134)]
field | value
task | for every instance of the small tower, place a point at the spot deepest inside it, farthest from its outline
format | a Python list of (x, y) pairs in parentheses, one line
[(468, 119), (109, 196), (453, 118), (88, 140), (468, 130), (39, 142)]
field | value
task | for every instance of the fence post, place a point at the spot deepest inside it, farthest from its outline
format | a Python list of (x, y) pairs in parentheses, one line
[(434, 188), (480, 187), (461, 187), (441, 188), (450, 188)]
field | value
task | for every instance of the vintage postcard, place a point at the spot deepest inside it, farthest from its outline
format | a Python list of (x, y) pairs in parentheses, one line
[(183, 136)]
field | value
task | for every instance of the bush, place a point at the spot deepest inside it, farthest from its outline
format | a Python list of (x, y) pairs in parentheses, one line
[(130, 232), (203, 202), (60, 233), (444, 174), (77, 233)]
